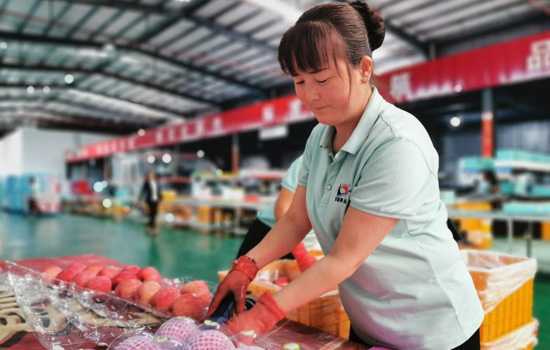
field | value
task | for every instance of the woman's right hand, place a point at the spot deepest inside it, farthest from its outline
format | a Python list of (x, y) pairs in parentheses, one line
[(236, 282)]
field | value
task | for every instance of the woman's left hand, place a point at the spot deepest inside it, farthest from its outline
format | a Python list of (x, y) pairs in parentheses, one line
[(256, 321)]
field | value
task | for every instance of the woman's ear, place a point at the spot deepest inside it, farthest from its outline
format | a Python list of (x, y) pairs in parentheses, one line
[(365, 67)]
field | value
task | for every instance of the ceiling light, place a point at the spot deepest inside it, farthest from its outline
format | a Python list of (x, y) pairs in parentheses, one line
[(455, 121), (166, 158), (46, 89), (30, 90), (151, 159), (3, 45), (69, 78), (200, 153), (141, 132)]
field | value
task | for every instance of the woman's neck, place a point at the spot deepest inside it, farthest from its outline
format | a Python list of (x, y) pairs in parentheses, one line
[(344, 130)]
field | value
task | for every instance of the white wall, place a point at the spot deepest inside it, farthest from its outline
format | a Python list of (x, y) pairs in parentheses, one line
[(41, 151), (11, 150)]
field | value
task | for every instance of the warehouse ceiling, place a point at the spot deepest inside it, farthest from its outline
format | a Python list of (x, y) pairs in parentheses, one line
[(120, 65)]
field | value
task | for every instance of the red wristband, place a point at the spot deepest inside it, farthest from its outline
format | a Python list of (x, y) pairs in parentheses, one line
[(247, 266)]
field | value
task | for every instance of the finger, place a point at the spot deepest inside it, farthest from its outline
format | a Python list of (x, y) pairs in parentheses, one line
[(240, 298), (216, 301)]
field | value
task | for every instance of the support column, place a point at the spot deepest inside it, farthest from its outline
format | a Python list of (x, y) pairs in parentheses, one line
[(235, 153), (487, 123)]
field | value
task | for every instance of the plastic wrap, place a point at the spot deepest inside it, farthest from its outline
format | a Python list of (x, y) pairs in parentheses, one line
[(520, 339), (496, 276), (64, 316)]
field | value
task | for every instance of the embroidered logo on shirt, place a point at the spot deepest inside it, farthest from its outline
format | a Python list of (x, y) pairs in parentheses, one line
[(342, 196)]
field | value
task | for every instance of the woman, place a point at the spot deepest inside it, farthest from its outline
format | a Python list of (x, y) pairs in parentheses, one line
[(368, 186)]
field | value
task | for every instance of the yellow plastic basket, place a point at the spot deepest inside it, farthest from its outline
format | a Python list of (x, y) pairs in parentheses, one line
[(325, 313), (505, 286)]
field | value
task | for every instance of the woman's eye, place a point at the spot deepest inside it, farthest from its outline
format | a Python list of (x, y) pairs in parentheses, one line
[(322, 81), (299, 82)]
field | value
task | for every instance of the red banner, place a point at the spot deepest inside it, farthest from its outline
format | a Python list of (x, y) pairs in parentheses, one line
[(511, 62)]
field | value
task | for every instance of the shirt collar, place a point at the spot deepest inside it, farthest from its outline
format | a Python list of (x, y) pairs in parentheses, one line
[(362, 129)]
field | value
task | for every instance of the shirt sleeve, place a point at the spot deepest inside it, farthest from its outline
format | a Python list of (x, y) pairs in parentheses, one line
[(290, 181), (395, 182)]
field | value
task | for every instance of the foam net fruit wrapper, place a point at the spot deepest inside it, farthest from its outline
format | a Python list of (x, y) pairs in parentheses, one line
[(65, 316)]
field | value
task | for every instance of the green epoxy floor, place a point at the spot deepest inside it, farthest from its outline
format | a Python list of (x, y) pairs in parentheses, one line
[(176, 253)]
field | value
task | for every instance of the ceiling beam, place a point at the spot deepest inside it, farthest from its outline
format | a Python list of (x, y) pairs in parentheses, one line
[(78, 43), (174, 16), (32, 100), (88, 71), (170, 113), (422, 46)]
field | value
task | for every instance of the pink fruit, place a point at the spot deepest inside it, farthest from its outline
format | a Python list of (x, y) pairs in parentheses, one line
[(164, 298), (199, 289), (178, 328), (71, 271), (51, 272), (141, 342), (189, 306), (147, 291), (149, 274), (127, 289), (195, 287), (100, 284), (124, 275), (110, 271), (76, 266), (132, 268), (210, 340), (83, 277), (95, 268)]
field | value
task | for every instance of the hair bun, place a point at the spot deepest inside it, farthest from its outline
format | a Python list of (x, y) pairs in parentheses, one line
[(373, 22)]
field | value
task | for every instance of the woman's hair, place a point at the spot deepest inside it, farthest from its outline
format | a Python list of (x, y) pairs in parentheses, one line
[(350, 30)]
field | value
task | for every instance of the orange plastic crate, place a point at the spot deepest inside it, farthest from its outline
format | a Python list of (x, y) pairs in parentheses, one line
[(523, 338), (546, 231), (325, 313), (507, 306)]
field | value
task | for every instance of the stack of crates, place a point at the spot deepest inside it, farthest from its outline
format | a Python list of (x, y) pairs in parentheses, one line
[(505, 287), (478, 231)]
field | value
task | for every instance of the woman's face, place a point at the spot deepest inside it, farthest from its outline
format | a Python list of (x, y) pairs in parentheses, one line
[(335, 94)]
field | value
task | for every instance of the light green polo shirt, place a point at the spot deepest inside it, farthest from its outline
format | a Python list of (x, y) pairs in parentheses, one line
[(290, 182), (414, 291)]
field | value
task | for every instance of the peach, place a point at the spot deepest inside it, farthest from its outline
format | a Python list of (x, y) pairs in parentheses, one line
[(164, 298), (199, 289), (147, 291), (71, 271), (110, 271), (149, 274), (51, 272), (132, 268), (82, 278), (100, 284), (128, 288), (124, 275), (95, 268), (186, 305)]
